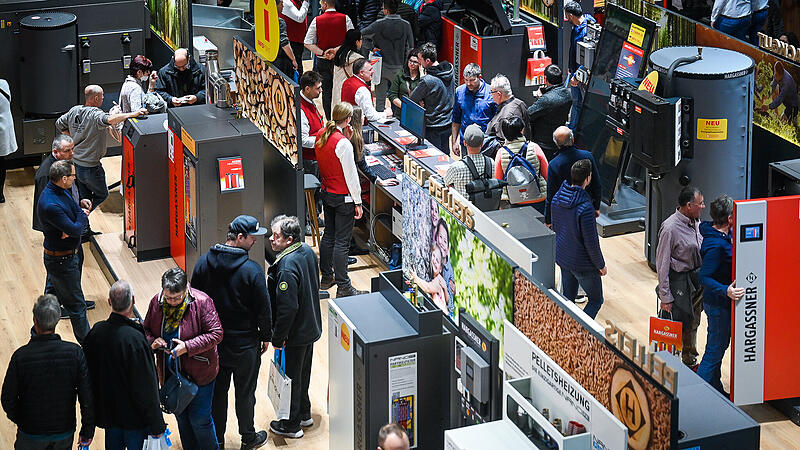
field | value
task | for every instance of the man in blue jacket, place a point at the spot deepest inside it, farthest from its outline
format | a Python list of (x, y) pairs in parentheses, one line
[(577, 245), (558, 171), (718, 288), (62, 221)]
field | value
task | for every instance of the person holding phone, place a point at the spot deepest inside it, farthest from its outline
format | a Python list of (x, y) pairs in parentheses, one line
[(182, 81)]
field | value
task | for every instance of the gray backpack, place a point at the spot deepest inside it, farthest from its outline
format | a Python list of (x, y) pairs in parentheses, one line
[(521, 176)]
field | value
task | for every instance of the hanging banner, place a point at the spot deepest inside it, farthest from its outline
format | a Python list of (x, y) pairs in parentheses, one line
[(267, 33)]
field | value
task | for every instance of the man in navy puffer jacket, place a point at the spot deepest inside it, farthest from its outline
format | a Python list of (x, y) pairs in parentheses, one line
[(577, 245)]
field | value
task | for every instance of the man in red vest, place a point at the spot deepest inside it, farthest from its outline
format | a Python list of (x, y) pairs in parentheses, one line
[(324, 36), (310, 118), (294, 14), (356, 91)]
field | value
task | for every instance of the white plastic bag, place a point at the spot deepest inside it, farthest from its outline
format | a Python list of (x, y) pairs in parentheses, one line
[(377, 64), (279, 389), (158, 443)]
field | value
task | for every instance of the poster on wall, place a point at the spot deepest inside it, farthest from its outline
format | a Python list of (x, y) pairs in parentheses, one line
[(169, 19), (452, 265), (776, 100), (644, 407), (231, 174), (268, 99), (190, 196), (403, 394)]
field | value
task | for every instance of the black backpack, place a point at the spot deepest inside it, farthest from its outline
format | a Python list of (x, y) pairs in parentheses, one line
[(484, 191)]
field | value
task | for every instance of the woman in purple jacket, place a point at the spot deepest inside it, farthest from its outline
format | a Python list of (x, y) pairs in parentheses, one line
[(184, 321)]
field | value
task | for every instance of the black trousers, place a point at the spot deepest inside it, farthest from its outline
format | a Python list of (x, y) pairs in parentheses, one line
[(298, 368), (335, 245), (325, 69), (298, 48), (242, 364), (2, 174)]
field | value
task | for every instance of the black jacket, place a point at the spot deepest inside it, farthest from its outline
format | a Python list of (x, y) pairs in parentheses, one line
[(294, 287), (43, 379), (123, 373), (430, 22), (436, 89), (238, 287), (368, 12), (408, 14), (547, 114), (41, 179), (175, 83)]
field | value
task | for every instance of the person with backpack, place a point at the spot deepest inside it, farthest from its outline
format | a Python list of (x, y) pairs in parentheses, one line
[(522, 164), (473, 172)]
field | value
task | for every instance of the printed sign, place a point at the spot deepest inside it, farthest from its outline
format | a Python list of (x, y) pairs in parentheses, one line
[(403, 394), (712, 129), (188, 141), (636, 35), (650, 82), (536, 37), (630, 61), (231, 174), (267, 32)]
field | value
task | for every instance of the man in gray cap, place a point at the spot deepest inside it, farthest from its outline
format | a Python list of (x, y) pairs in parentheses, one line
[(458, 174), (238, 286)]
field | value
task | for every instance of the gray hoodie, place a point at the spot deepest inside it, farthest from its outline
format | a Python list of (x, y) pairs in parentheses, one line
[(436, 90)]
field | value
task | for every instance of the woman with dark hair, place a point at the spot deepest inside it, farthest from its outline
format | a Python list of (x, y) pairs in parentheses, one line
[(404, 82), (343, 61), (513, 130), (140, 72)]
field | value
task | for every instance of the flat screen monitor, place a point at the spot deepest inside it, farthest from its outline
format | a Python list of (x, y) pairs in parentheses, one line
[(412, 119)]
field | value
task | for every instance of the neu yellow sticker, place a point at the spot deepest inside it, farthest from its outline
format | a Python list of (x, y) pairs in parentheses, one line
[(650, 82), (344, 338), (636, 35), (266, 33), (712, 129)]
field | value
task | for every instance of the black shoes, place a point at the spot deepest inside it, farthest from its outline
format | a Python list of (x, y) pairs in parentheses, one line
[(358, 251), (89, 305), (351, 260), (258, 441), (306, 422), (349, 291), (279, 427), (326, 283)]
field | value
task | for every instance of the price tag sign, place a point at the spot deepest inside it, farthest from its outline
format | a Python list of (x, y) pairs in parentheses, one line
[(266, 34)]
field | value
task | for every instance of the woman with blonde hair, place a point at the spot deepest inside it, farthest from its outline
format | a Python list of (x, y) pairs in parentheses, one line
[(341, 198)]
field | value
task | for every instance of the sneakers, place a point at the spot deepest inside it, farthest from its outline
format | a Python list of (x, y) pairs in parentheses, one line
[(258, 441), (351, 260), (278, 427), (348, 291), (307, 422), (326, 283), (89, 305)]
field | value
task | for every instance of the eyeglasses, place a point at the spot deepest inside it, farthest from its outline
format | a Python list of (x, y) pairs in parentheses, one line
[(703, 203), (493, 91), (182, 67), (414, 62), (175, 298)]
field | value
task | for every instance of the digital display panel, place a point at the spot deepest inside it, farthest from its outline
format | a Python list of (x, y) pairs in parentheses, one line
[(754, 232)]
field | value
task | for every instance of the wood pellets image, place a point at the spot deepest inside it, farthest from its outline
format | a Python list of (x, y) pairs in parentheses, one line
[(642, 407), (267, 99)]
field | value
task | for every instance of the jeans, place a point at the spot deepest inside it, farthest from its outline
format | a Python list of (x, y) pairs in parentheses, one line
[(64, 281), (439, 137), (590, 282), (298, 368), (119, 439), (335, 245), (735, 27), (27, 442), (195, 424), (242, 364), (719, 338), (387, 75), (94, 180), (577, 103), (325, 69), (757, 21)]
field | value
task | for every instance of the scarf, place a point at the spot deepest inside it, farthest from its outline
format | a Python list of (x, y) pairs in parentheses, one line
[(174, 314)]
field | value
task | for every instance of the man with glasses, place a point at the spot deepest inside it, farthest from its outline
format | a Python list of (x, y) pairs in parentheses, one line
[(678, 265), (63, 222), (472, 104), (182, 81)]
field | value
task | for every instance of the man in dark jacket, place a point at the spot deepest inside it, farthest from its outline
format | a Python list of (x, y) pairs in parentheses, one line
[(238, 286), (435, 93), (182, 81), (42, 382), (123, 375), (559, 169), (550, 111), (577, 245), (430, 22), (719, 289), (294, 287)]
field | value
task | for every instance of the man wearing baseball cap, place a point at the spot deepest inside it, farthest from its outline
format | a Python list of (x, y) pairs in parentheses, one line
[(238, 286)]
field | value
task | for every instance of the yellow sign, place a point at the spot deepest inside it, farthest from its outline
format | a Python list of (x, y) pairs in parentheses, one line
[(188, 141), (636, 35), (266, 33), (344, 338), (712, 129), (650, 82)]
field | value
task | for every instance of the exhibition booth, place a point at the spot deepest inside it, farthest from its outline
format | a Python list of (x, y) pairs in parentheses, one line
[(467, 343)]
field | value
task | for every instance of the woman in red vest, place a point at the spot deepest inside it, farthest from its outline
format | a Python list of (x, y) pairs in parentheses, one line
[(341, 199)]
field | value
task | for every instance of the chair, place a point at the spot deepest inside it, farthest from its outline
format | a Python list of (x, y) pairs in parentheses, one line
[(311, 184)]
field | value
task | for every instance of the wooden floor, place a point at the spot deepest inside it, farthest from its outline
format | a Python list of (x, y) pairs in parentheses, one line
[(628, 292)]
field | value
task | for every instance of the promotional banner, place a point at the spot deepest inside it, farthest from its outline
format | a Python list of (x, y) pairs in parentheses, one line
[(169, 19), (267, 34), (553, 388)]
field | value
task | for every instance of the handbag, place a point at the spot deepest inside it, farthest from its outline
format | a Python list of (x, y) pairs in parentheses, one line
[(279, 389), (536, 65), (178, 391), (666, 334), (376, 60)]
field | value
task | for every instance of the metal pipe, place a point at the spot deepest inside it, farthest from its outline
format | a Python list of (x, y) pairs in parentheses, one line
[(677, 63)]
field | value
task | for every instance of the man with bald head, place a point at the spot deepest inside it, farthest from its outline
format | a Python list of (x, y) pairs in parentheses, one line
[(392, 437), (182, 81), (87, 125), (559, 169)]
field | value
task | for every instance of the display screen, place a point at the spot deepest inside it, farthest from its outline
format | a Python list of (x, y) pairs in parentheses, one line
[(751, 232), (412, 118), (169, 19)]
